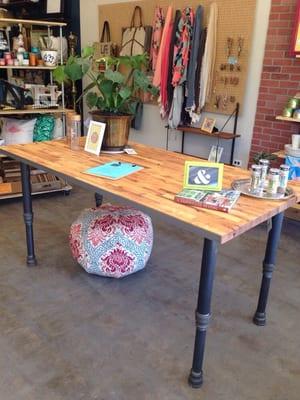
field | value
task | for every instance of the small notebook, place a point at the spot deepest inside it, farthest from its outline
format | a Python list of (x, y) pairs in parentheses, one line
[(114, 170)]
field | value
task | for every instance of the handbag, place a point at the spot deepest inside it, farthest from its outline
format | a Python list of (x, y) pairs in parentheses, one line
[(136, 122), (104, 48), (136, 40)]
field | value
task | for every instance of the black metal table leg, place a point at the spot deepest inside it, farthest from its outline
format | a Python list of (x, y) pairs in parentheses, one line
[(268, 268), (98, 199), (203, 315), (28, 214)]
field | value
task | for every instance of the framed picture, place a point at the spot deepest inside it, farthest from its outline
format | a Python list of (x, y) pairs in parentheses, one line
[(54, 7), (208, 125), (215, 153), (203, 175), (94, 137)]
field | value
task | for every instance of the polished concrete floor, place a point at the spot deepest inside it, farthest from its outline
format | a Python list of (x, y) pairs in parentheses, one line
[(67, 335)]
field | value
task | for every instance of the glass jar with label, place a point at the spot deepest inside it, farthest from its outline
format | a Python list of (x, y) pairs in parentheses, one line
[(75, 132), (283, 178), (69, 115), (255, 177), (273, 183), (264, 170)]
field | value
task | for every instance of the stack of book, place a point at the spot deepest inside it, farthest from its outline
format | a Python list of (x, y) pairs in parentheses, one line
[(223, 200), (11, 171)]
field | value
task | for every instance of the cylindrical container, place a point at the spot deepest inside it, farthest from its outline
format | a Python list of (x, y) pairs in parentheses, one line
[(69, 115), (26, 55), (116, 132), (10, 62), (255, 177), (264, 170), (288, 112), (293, 103), (33, 59), (283, 178), (7, 55), (2, 61), (20, 58), (273, 181), (75, 132), (26, 63)]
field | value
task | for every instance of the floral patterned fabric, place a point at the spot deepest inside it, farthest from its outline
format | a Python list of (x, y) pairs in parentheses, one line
[(111, 240)]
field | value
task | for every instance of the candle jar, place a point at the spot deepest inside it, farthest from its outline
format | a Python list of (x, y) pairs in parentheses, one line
[(32, 59)]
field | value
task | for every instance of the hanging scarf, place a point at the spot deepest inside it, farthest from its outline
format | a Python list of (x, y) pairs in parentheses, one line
[(158, 24), (199, 66), (164, 74), (193, 63), (182, 46), (162, 49), (209, 58), (170, 87)]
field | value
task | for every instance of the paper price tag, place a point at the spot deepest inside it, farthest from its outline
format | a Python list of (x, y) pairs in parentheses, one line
[(130, 151)]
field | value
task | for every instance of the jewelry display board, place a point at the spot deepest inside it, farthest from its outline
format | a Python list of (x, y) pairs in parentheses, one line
[(235, 28)]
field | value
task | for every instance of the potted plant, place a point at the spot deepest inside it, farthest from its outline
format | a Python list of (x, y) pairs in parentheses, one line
[(112, 93), (264, 155)]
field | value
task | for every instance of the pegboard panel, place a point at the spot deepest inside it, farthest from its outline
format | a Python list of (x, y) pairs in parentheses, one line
[(235, 19)]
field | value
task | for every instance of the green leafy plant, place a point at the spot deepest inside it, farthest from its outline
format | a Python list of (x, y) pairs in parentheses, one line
[(114, 90), (264, 155)]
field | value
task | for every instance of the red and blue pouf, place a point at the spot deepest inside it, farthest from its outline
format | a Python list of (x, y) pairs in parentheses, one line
[(112, 241)]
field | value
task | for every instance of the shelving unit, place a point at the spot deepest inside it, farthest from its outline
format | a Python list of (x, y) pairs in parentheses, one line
[(293, 212), (7, 111), (220, 135)]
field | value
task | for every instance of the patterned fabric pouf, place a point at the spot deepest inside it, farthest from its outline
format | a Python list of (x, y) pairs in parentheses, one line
[(111, 240)]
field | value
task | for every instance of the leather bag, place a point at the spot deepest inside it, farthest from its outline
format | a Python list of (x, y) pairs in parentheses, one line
[(104, 48), (136, 39)]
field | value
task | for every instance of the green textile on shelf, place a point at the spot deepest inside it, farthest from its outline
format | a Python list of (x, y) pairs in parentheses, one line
[(43, 128)]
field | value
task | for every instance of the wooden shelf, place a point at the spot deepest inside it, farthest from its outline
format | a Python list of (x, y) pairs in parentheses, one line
[(288, 119), (26, 67), (66, 188), (8, 21), (199, 131), (33, 111)]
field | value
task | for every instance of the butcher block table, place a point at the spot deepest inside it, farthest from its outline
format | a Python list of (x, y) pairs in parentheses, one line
[(153, 188)]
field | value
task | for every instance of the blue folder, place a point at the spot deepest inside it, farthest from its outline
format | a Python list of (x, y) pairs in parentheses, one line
[(114, 169)]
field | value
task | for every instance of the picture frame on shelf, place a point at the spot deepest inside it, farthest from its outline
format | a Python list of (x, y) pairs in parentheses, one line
[(208, 125), (94, 137), (203, 175), (215, 153)]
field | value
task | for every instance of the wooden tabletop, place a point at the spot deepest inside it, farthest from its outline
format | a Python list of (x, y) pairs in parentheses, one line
[(154, 186)]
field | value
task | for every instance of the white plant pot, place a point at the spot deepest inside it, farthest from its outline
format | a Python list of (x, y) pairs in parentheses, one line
[(49, 57)]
